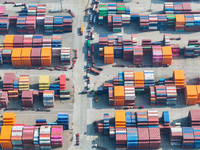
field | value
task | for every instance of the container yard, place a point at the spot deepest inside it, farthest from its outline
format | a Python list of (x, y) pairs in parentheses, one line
[(99, 74)]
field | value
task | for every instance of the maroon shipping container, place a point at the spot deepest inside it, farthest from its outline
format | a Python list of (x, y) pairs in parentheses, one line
[(143, 136), (36, 57), (27, 98), (154, 137)]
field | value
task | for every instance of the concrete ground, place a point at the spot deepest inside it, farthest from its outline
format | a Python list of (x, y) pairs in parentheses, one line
[(82, 109)]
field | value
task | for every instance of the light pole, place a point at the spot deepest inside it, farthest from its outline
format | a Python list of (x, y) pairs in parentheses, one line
[(61, 5)]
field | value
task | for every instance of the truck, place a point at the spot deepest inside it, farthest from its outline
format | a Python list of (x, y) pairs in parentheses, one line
[(95, 71), (81, 29), (91, 17), (72, 14)]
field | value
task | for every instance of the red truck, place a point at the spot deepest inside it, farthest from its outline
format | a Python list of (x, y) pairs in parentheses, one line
[(71, 13), (89, 35), (94, 70)]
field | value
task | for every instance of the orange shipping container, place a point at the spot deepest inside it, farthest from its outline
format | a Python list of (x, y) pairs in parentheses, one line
[(16, 57), (8, 41), (108, 55), (5, 137), (191, 94), (198, 93), (26, 56), (46, 56)]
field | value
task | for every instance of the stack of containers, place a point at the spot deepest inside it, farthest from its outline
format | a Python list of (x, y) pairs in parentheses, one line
[(117, 23), (45, 137), (36, 138), (142, 118), (120, 119), (129, 95), (112, 8), (6, 56), (194, 118), (166, 39), (56, 42), (146, 45), (180, 23), (1, 57), (148, 78), (6, 137), (108, 55), (48, 98), (103, 41), (106, 124), (8, 81), (16, 57), (171, 20), (9, 119), (58, 24), (46, 56), (63, 119), (175, 50), (126, 20), (4, 99), (30, 24), (166, 123), (48, 24), (4, 24), (120, 138), (27, 99), (64, 94), (132, 138), (27, 138), (37, 40), (46, 42), (111, 96), (134, 39), (110, 23), (153, 119), (157, 57), (137, 55), (119, 95), (13, 20), (13, 94), (179, 78), (26, 57), (56, 136), (112, 132), (67, 23), (133, 119), (128, 119), (103, 11), (41, 10), (161, 95), (190, 95), (44, 82), (129, 78), (65, 55), (28, 41), (162, 22), (21, 24), (2, 10), (16, 84), (191, 52), (177, 8), (196, 131), (16, 137), (139, 81), (32, 10), (143, 136), (121, 78), (154, 138), (167, 55), (153, 22), (144, 23), (128, 52), (188, 137), (36, 57), (24, 82), (176, 136), (171, 95)]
